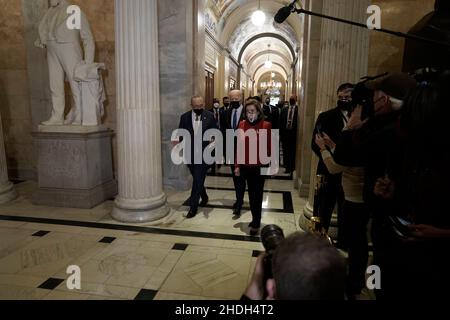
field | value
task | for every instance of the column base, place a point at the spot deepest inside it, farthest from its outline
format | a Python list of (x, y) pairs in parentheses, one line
[(133, 211), (303, 188), (305, 221), (7, 193)]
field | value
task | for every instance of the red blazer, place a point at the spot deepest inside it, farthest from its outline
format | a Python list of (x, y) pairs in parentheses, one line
[(245, 126)]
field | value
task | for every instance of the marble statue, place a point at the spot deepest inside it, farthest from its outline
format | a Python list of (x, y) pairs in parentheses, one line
[(65, 56)]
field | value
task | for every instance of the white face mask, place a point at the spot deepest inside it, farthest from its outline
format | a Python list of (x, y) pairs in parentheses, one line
[(252, 118), (216, 105)]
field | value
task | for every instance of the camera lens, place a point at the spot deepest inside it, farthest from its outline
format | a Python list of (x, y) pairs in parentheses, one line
[(271, 236)]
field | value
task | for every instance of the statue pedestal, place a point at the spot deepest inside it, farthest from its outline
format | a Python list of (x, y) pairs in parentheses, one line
[(74, 166)]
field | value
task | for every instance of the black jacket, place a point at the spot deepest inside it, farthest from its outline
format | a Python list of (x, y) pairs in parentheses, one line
[(208, 122), (330, 122)]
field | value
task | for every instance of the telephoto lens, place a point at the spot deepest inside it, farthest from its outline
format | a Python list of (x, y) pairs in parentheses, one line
[(271, 237)]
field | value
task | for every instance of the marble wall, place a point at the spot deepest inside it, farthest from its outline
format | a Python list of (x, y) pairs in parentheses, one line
[(24, 93), (386, 51), (14, 91)]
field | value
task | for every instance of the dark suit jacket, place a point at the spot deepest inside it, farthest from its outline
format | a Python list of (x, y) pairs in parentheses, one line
[(330, 122), (272, 115), (284, 132), (221, 115), (208, 122), (226, 124)]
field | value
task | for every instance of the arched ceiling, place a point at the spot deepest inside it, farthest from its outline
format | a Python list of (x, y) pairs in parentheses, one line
[(236, 31), (258, 52), (261, 70)]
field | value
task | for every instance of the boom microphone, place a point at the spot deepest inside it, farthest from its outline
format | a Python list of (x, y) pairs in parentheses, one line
[(285, 12)]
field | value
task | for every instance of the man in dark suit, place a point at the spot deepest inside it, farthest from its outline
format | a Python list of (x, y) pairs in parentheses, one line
[(218, 113), (288, 133), (271, 113), (230, 121), (197, 121), (226, 104), (332, 123)]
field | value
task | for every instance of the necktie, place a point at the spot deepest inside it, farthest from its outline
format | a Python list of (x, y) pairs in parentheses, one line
[(234, 119), (289, 124), (197, 123)]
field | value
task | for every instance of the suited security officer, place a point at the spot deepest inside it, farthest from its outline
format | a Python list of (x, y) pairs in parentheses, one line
[(332, 123)]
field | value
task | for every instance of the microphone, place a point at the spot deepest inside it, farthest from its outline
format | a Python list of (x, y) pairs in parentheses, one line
[(285, 12)]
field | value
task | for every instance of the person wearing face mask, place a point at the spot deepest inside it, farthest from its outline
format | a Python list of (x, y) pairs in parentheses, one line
[(250, 166), (288, 134), (271, 113), (226, 104), (197, 122), (232, 117), (217, 114), (64, 54), (331, 123), (375, 144)]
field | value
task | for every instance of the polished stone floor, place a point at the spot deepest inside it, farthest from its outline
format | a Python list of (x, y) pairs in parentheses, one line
[(209, 257)]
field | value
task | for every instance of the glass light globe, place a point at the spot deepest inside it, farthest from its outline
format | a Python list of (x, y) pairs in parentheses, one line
[(258, 18)]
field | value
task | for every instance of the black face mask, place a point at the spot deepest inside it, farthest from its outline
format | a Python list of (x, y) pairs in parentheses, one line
[(292, 102), (235, 104), (198, 112), (226, 104), (345, 105)]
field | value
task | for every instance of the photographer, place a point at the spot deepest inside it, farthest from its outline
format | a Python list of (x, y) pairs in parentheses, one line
[(371, 140), (415, 262), (304, 267)]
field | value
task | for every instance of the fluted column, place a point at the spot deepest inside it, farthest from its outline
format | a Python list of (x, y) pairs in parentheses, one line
[(141, 197), (7, 191), (344, 52)]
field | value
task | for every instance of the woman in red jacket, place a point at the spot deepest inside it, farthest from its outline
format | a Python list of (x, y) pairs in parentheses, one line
[(249, 164)]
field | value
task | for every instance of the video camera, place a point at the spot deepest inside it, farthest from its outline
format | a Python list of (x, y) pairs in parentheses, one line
[(271, 237), (363, 96)]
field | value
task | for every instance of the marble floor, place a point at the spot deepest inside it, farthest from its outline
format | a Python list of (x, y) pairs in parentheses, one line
[(209, 257)]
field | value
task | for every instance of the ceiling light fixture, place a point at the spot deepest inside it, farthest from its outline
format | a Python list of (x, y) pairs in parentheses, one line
[(258, 17), (268, 64)]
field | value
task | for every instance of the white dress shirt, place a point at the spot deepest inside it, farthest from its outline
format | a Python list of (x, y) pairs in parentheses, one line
[(239, 113)]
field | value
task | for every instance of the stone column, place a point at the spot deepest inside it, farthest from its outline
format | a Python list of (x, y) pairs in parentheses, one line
[(7, 191), (141, 197), (343, 57), (308, 94), (182, 72)]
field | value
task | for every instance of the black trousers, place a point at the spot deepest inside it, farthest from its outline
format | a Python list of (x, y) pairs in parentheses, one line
[(239, 187), (198, 172), (332, 194), (255, 181), (289, 143), (357, 216)]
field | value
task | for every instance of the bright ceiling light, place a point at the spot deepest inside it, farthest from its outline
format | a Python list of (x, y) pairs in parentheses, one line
[(258, 17)]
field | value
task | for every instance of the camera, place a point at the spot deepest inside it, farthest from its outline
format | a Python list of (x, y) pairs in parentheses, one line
[(363, 96), (271, 237)]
